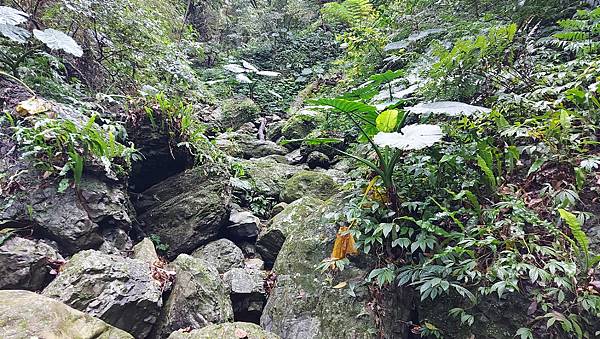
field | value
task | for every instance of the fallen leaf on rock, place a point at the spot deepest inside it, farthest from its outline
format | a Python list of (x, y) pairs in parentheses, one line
[(241, 334), (33, 106)]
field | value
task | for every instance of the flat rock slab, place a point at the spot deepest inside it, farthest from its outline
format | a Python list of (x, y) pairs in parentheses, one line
[(237, 330), (26, 315)]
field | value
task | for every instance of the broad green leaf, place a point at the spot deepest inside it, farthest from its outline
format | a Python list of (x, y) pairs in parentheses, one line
[(387, 76), (387, 120), (241, 78), (268, 73), (450, 108), (411, 137), (536, 166), (234, 68), (489, 174), (58, 40), (249, 66), (11, 16), (14, 33), (346, 106)]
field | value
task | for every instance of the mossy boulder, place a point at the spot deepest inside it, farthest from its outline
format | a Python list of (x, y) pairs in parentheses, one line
[(198, 298), (272, 237), (188, 210), (235, 330), (299, 125), (304, 304), (118, 290), (236, 112), (73, 220), (247, 146), (223, 254), (262, 177), (26, 315), (308, 183)]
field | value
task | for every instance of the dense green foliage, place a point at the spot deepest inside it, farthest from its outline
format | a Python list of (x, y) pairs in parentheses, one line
[(474, 124)]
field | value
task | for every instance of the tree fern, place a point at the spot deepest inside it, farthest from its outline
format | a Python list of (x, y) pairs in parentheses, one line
[(349, 12), (581, 33)]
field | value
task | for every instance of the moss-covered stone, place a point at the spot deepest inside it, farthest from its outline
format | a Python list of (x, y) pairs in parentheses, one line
[(198, 298), (263, 177), (25, 315), (308, 183), (272, 237), (236, 112), (299, 125), (303, 304), (187, 210), (235, 330)]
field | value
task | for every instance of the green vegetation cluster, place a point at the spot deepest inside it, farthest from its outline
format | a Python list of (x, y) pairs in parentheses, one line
[(463, 203), (476, 125)]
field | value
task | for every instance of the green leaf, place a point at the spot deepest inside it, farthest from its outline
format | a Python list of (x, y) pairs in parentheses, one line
[(346, 106), (63, 185), (58, 40), (536, 166), (387, 76), (524, 333), (14, 33), (387, 120), (575, 226), (11, 16), (489, 174)]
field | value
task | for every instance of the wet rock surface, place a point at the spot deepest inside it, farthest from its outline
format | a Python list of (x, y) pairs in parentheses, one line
[(187, 210), (229, 330)]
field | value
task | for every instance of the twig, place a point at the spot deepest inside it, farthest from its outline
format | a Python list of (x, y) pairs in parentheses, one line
[(13, 78)]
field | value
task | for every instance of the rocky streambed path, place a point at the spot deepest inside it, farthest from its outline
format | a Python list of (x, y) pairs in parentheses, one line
[(177, 249)]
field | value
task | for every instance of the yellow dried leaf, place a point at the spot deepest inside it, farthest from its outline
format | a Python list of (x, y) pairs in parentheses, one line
[(33, 106), (344, 244)]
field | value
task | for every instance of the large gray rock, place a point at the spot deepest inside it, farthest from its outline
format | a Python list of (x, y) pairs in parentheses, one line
[(302, 304), (247, 146), (246, 287), (199, 297), (118, 290), (25, 264), (145, 251), (309, 183), (72, 220), (272, 237), (236, 330), (26, 315), (244, 225), (116, 241), (187, 210), (222, 254)]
